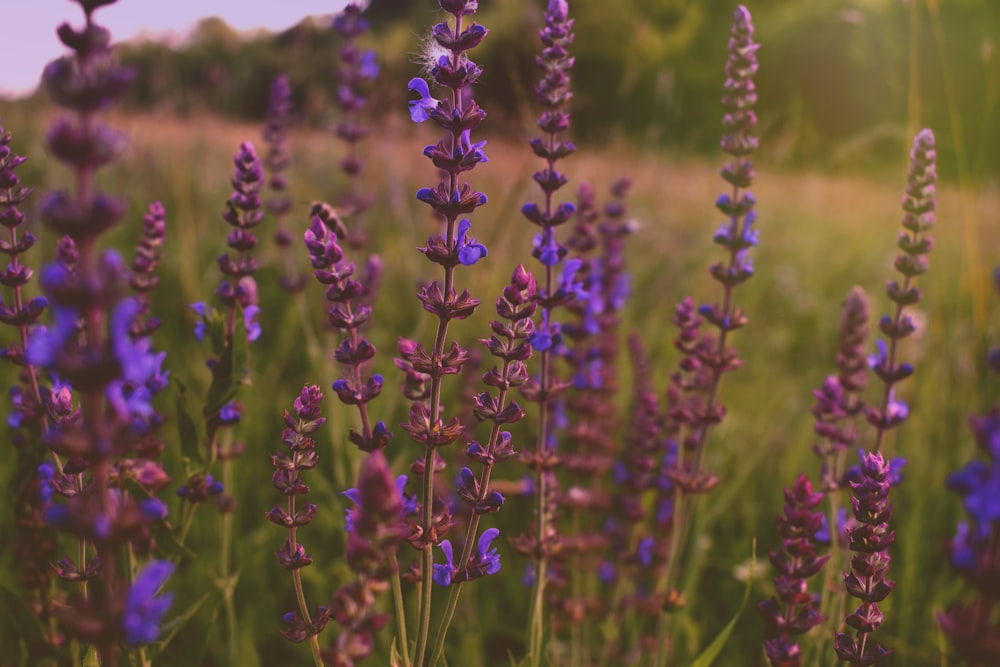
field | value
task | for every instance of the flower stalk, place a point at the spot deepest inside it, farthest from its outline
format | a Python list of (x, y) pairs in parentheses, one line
[(458, 116)]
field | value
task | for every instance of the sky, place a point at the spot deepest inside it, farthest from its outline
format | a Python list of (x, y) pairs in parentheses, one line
[(29, 40)]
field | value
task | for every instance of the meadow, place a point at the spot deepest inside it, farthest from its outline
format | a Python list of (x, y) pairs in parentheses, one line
[(821, 233)]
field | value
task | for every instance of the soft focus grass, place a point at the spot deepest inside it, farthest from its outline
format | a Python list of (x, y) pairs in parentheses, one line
[(821, 234)]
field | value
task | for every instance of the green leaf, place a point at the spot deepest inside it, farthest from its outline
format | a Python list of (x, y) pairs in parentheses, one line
[(166, 541), (231, 370), (186, 428), (712, 651), (192, 644), (241, 350)]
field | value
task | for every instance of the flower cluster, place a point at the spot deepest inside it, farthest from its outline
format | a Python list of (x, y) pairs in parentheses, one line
[(870, 541), (971, 626), (458, 116), (509, 344), (89, 346), (357, 70), (553, 93), (238, 294), (376, 530), (694, 405), (346, 315), (914, 243), (276, 161), (287, 478), (706, 355), (34, 545), (872, 537), (588, 447), (144, 279), (838, 399), (795, 610)]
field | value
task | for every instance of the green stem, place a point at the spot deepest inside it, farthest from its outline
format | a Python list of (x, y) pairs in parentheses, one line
[(304, 610), (225, 576), (397, 600), (683, 511)]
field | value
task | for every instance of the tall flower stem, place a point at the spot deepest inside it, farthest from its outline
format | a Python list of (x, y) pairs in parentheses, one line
[(553, 94), (873, 536), (736, 236), (458, 115), (226, 578), (508, 343)]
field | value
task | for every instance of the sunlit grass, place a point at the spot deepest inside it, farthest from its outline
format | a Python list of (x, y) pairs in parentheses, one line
[(821, 235)]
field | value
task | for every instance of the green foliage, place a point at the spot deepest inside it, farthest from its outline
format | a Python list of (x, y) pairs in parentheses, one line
[(834, 83)]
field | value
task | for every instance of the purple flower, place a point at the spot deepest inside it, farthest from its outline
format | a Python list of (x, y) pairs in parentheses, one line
[(144, 610), (486, 560), (546, 249), (980, 486), (467, 147), (469, 250), (200, 327), (419, 109), (443, 572), (250, 314), (368, 67), (230, 413), (546, 335)]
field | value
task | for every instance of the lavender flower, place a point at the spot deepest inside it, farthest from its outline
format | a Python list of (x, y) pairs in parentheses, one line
[(708, 356), (553, 93), (838, 400), (144, 280), (377, 531), (346, 315), (288, 468), (275, 163), (89, 345), (795, 610), (357, 70), (34, 545), (971, 625), (873, 537), (591, 348), (144, 609), (458, 115), (238, 294), (509, 344), (914, 243), (243, 214), (870, 540)]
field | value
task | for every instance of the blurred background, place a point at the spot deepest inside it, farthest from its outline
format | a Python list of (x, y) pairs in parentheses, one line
[(843, 84), (843, 87)]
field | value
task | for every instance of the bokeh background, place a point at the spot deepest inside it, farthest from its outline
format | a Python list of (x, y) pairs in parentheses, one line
[(843, 87)]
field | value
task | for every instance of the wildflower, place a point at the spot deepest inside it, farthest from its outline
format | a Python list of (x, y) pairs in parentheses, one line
[(469, 250), (870, 540), (444, 572), (144, 609), (419, 109), (486, 560)]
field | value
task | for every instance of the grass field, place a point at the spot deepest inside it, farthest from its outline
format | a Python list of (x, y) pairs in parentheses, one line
[(821, 234)]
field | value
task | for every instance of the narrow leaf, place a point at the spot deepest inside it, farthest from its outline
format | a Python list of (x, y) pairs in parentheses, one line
[(712, 651), (187, 431)]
